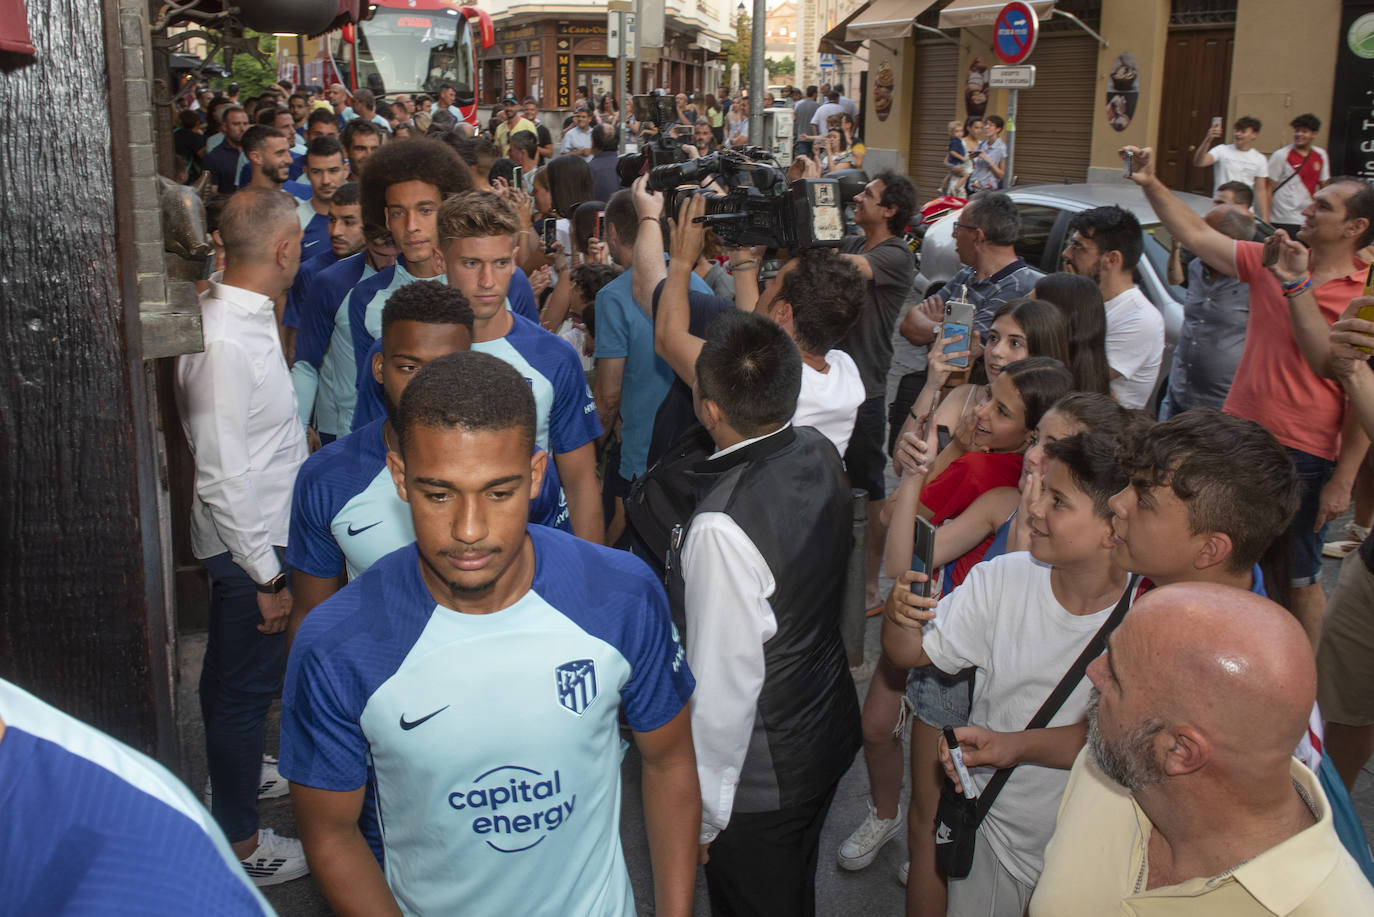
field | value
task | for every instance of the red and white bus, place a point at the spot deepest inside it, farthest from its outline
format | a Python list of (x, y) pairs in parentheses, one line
[(411, 46)]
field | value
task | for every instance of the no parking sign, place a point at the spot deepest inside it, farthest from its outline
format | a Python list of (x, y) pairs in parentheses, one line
[(1014, 32)]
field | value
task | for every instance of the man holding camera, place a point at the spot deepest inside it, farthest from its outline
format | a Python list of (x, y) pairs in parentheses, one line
[(881, 210)]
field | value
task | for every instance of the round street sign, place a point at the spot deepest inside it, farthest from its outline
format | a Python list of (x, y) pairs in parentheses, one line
[(1014, 33)]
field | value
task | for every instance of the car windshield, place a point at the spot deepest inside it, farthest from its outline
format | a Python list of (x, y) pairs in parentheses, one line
[(415, 51)]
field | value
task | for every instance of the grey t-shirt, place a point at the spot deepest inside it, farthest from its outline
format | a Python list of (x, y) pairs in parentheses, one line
[(869, 342)]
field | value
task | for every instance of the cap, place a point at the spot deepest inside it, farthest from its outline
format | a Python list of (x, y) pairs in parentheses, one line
[(510, 99)]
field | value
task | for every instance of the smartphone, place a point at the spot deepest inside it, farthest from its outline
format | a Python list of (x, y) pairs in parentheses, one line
[(600, 223), (923, 554), (550, 234), (959, 321), (516, 176), (1366, 313), (1130, 164), (1216, 122)]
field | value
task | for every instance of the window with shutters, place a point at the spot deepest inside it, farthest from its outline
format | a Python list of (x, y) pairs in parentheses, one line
[(1054, 121), (934, 99)]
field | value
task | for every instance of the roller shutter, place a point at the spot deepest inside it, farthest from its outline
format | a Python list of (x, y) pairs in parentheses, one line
[(1054, 121), (933, 101)]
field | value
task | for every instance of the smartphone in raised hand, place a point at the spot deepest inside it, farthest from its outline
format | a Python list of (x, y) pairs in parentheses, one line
[(1366, 312), (923, 554), (959, 315)]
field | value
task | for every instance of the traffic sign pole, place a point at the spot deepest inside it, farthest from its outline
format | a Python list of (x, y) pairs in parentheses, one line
[(1014, 34)]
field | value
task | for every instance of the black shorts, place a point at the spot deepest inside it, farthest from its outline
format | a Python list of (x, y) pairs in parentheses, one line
[(865, 459)]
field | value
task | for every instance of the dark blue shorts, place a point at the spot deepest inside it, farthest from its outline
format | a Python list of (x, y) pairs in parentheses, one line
[(1305, 545)]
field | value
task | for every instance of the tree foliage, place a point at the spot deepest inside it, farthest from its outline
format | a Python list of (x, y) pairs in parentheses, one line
[(780, 68), (253, 77), (737, 51)]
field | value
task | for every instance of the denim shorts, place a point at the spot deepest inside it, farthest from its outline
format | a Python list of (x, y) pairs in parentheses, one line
[(937, 699), (1305, 545)]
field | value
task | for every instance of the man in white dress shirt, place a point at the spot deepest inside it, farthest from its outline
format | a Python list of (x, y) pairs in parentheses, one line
[(238, 410)]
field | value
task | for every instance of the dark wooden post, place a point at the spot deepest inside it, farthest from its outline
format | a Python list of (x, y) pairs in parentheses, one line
[(83, 611)]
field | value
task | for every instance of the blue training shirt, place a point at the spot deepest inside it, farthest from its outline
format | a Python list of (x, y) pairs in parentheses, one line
[(314, 226), (305, 277), (323, 307), (346, 514), (93, 827), (488, 745), (562, 399)]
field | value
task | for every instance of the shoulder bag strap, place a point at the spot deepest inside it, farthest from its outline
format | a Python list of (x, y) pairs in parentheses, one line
[(1062, 690), (1302, 165)]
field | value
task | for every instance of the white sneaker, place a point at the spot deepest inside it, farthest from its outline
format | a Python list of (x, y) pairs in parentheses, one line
[(271, 784), (863, 845), (278, 859), (903, 872)]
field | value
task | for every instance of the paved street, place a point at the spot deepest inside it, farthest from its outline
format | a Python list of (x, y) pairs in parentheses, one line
[(873, 891)]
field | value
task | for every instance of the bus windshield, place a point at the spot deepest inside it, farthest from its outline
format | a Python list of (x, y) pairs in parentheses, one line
[(415, 51)]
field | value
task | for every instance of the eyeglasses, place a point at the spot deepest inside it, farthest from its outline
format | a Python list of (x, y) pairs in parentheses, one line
[(956, 226)]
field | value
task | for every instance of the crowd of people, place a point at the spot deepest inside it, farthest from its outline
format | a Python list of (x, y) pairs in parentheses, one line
[(499, 464)]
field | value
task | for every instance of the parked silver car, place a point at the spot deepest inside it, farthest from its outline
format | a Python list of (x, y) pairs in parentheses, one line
[(1045, 214)]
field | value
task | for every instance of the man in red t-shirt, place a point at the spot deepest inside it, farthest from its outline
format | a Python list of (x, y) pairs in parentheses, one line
[(1274, 384)]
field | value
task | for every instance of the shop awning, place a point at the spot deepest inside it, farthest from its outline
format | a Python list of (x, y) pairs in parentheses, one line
[(885, 19), (833, 42), (963, 14)]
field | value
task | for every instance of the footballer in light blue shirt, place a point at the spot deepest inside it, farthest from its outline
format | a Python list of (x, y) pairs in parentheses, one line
[(450, 718), (479, 230), (345, 511)]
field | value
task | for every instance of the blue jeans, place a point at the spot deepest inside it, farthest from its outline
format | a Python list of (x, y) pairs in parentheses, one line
[(1305, 545), (241, 676)]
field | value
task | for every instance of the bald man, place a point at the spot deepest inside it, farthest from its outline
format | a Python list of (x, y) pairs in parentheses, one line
[(1187, 799), (1214, 316), (238, 411)]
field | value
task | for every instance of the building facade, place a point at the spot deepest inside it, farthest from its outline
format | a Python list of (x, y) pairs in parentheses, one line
[(1112, 73), (547, 50)]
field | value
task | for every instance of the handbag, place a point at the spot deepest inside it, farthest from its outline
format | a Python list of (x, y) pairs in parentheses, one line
[(957, 818)]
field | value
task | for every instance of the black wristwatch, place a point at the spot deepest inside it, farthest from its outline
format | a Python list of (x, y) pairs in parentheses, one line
[(274, 585)]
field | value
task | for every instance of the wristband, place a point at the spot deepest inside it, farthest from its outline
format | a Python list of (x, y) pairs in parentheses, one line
[(911, 412), (644, 219), (742, 265), (1295, 287)]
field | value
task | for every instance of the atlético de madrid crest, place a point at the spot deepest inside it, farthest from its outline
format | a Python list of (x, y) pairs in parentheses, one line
[(576, 684)]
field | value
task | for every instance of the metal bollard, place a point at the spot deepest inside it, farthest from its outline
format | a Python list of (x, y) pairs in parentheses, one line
[(852, 617)]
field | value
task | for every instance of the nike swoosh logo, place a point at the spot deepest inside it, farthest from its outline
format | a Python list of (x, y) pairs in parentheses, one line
[(315, 242), (411, 724), (353, 531)]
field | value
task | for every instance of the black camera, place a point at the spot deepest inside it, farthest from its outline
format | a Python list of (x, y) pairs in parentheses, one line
[(658, 148), (758, 207)]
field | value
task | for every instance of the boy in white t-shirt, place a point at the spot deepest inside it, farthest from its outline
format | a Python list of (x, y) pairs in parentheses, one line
[(1236, 161), (1105, 244), (1022, 620)]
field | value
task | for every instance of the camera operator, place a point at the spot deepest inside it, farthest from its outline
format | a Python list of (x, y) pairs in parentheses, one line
[(816, 300), (881, 210), (631, 381)]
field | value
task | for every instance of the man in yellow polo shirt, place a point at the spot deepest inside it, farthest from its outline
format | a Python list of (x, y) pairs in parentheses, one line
[(1187, 799), (515, 121)]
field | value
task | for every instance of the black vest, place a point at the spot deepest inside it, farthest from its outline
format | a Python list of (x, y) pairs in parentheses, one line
[(789, 494)]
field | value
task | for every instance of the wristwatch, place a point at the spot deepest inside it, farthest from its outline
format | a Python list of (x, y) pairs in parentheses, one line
[(274, 585)]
